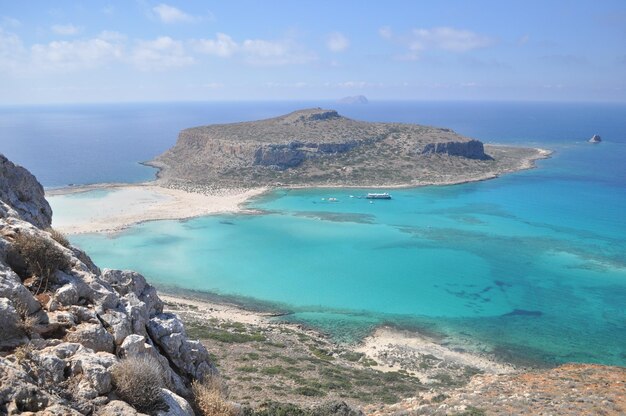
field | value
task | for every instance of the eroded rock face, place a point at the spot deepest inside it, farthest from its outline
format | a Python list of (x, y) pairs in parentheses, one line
[(472, 149), (20, 190), (59, 346)]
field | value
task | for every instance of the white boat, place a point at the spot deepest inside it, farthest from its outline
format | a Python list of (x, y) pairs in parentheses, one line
[(333, 200), (383, 195)]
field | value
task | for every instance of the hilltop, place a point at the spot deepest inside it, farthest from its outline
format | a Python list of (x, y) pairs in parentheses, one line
[(317, 147)]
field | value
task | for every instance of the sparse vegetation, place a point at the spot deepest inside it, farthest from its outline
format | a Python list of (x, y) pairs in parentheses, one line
[(138, 381), (59, 237), (39, 257), (209, 397), (27, 322)]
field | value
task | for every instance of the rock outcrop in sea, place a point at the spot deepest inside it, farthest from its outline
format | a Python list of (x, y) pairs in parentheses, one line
[(65, 324), (595, 139)]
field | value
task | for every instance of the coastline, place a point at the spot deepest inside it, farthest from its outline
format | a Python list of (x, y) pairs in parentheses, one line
[(126, 205), (390, 348), (156, 200)]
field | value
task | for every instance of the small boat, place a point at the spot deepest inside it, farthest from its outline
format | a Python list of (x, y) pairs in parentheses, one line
[(333, 200), (383, 195)]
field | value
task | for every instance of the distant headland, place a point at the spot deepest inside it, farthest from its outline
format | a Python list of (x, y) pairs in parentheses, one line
[(321, 148)]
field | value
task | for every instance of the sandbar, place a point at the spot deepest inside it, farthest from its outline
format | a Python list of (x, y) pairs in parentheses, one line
[(109, 208)]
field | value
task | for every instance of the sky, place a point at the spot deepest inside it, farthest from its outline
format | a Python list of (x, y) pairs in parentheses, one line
[(135, 51)]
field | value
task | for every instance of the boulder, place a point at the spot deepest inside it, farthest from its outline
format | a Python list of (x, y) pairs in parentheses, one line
[(92, 336), (191, 358), (10, 333), (118, 324), (117, 408), (95, 377), (126, 282), (177, 405), (18, 390)]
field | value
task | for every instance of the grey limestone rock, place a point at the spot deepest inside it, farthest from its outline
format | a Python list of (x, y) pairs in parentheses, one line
[(177, 405), (10, 334), (117, 408), (21, 191), (95, 377), (190, 357), (59, 361), (92, 336)]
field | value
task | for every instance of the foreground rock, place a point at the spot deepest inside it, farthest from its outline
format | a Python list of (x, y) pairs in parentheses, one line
[(319, 147), (66, 325)]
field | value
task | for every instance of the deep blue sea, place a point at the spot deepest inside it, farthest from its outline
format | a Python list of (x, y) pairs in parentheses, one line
[(530, 266)]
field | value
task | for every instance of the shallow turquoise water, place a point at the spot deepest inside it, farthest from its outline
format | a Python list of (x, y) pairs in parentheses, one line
[(531, 266)]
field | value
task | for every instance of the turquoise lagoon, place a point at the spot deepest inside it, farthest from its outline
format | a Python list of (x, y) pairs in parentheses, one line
[(530, 266)]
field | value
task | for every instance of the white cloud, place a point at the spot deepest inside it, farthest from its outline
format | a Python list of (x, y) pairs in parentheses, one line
[(439, 38), (272, 53), (160, 54), (449, 39), (337, 42), (72, 55), (385, 32), (170, 14), (10, 22), (356, 84), (223, 46), (12, 52), (258, 52), (66, 30)]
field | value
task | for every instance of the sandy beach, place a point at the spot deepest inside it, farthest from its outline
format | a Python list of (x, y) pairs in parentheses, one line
[(110, 208)]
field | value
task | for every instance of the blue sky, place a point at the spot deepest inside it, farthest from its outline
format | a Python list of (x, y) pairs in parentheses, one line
[(110, 51)]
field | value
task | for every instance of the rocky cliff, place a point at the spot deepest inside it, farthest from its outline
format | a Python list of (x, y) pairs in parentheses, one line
[(321, 147), (66, 325)]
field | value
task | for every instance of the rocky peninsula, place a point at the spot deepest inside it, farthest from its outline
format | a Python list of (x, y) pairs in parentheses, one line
[(320, 148)]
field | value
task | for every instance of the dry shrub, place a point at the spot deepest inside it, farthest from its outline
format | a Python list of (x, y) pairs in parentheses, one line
[(59, 237), (28, 322), (209, 397), (138, 381), (40, 256)]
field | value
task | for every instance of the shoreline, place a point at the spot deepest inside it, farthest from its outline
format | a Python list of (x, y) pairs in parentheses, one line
[(154, 200), (388, 349), (132, 204)]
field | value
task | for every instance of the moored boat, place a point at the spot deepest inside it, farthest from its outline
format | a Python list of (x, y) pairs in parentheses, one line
[(383, 195)]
